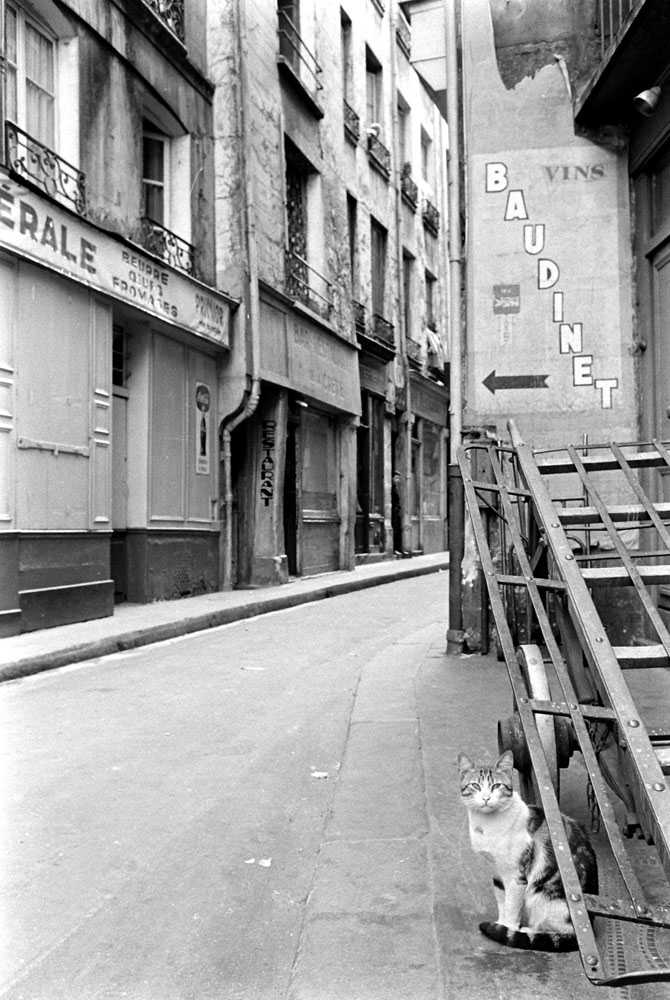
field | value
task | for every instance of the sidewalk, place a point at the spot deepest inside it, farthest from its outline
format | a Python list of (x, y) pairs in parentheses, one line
[(141, 624)]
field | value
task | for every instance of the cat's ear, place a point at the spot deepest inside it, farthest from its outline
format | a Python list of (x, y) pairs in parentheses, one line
[(506, 762), (464, 763)]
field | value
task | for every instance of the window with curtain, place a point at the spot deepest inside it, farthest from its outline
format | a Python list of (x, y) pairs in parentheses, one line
[(154, 173), (31, 76)]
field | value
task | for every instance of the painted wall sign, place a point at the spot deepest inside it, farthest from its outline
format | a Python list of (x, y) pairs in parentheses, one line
[(268, 428), (202, 434), (47, 234), (546, 326)]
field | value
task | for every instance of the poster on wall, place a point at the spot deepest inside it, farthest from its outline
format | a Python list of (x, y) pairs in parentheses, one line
[(202, 433)]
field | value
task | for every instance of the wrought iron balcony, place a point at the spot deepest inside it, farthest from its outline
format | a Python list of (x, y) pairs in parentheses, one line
[(409, 189), (611, 18), (352, 123), (431, 217), (379, 156), (383, 330), (172, 13), (359, 315), (307, 285), (294, 53), (45, 169), (168, 246)]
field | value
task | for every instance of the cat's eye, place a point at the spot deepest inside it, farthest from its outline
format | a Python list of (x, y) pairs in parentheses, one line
[(475, 784), (496, 784)]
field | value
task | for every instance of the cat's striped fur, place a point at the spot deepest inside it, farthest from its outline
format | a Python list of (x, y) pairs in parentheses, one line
[(514, 839)]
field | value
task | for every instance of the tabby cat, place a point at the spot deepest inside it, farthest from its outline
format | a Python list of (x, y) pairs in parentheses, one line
[(514, 839)]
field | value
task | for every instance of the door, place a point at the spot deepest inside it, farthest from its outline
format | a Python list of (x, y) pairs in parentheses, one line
[(119, 493)]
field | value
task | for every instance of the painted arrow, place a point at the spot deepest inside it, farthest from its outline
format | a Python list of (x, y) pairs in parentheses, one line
[(493, 382)]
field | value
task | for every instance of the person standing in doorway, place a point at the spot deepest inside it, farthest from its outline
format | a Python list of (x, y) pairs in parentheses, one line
[(396, 514)]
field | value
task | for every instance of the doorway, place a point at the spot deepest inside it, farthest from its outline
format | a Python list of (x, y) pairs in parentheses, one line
[(118, 546), (291, 496)]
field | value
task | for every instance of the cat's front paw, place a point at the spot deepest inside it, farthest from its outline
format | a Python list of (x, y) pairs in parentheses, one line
[(504, 935)]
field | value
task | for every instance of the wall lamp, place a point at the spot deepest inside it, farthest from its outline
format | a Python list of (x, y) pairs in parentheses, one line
[(646, 101)]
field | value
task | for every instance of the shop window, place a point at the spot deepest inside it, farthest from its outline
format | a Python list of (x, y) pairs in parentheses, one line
[(319, 463), (432, 470)]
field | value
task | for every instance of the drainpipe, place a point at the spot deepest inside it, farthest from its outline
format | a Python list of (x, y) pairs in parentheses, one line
[(406, 523), (252, 330), (456, 499)]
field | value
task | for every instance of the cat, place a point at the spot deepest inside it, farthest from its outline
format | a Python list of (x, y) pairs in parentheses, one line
[(514, 839)]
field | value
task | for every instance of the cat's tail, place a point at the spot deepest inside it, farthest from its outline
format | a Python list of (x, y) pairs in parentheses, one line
[(534, 941)]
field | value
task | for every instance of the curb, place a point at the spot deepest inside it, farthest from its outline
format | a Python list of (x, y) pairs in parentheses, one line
[(135, 638)]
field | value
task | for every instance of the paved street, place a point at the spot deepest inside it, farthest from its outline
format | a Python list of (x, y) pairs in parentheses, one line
[(264, 811)]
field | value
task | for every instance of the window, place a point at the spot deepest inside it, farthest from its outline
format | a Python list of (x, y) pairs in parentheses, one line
[(427, 171), (404, 133), (289, 32), (347, 63), (31, 76), (154, 174), (407, 271), (373, 80), (120, 357), (378, 241), (304, 234), (352, 223), (431, 282)]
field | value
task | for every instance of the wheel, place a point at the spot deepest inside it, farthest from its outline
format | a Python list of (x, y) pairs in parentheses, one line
[(532, 667)]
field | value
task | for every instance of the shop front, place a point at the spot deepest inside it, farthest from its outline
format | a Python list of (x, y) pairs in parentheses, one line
[(294, 460), (108, 453)]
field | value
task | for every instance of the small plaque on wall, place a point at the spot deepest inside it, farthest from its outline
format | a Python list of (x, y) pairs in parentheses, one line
[(202, 430)]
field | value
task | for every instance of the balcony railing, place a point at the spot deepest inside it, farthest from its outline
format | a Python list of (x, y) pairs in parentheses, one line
[(352, 123), (168, 246), (611, 17), (307, 285), (383, 330), (295, 53), (359, 315), (413, 352), (45, 169), (431, 217), (172, 13), (408, 188), (379, 156)]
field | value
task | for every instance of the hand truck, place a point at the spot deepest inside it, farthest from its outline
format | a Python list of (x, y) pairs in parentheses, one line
[(555, 554)]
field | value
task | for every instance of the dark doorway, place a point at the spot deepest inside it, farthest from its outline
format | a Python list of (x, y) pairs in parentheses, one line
[(291, 498)]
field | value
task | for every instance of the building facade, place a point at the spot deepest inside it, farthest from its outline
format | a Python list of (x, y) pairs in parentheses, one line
[(330, 227), (113, 331)]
